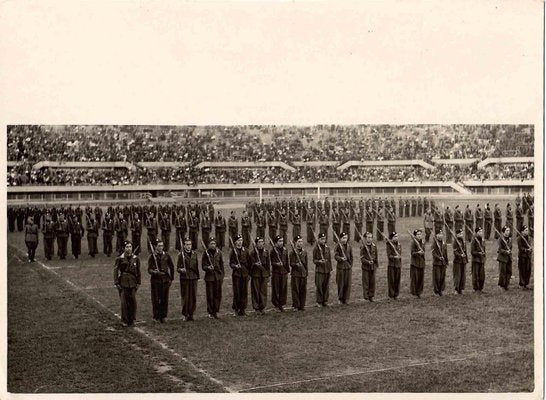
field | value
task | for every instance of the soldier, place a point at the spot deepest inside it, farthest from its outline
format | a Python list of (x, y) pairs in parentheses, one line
[(519, 217), (346, 223), (296, 224), (459, 218), (391, 220), (161, 270), (238, 262), (439, 263), (505, 258), (92, 234), (283, 224), (310, 224), (193, 224), (62, 231), (488, 218), (469, 223), (369, 262), (272, 224), (165, 226), (220, 230), (479, 217), (260, 270), (343, 254), (246, 226), (400, 209), (76, 233), (428, 221), (380, 224), (336, 223), (98, 214), (394, 255), (478, 260), (509, 218), (460, 259), (358, 225), (448, 219), (525, 257), (181, 228), (438, 220), (233, 226), (188, 269), (417, 267), (20, 215), (497, 214), (213, 265), (31, 238), (206, 227), (136, 233), (127, 280), (324, 223), (107, 232), (298, 278), (12, 216), (323, 267), (369, 219), (279, 268), (49, 231)]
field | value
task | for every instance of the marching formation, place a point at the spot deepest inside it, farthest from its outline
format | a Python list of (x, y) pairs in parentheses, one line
[(271, 254)]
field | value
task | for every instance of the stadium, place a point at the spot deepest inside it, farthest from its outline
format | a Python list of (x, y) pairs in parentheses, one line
[(364, 178)]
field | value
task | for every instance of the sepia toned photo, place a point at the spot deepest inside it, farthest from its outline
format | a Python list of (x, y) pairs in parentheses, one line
[(258, 199)]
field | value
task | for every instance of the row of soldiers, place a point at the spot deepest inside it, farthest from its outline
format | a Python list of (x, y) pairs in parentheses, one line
[(259, 264)]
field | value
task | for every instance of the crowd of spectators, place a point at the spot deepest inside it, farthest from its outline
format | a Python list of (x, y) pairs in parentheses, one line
[(33, 143), (25, 175)]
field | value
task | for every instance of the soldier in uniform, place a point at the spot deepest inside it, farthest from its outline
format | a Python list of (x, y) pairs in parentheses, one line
[(459, 218), (323, 267), (279, 273), (509, 218), (49, 231), (193, 224), (477, 249), (62, 231), (519, 217), (488, 220), (233, 226), (358, 225), (525, 257), (181, 228), (260, 271), (417, 267), (479, 217), (448, 219), (107, 232), (391, 220), (380, 224), (238, 261), (76, 233), (428, 221), (343, 253), (497, 214), (394, 255), (438, 220), (296, 224), (400, 209), (92, 234), (246, 226), (272, 224), (220, 230), (346, 223), (310, 224), (165, 226), (206, 227), (136, 232), (20, 213), (505, 258), (298, 278), (283, 224), (324, 223), (439, 263), (369, 263), (188, 269), (336, 223), (122, 231), (469, 223), (31, 238), (213, 265), (127, 280), (12, 216), (460, 259), (161, 270)]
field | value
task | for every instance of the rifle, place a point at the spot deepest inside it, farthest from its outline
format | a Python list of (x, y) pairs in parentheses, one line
[(416, 242), (525, 240), (153, 254), (364, 245), (456, 241), (182, 252), (439, 249), (211, 267), (235, 251), (296, 252), (340, 245), (502, 238), (390, 242), (316, 238)]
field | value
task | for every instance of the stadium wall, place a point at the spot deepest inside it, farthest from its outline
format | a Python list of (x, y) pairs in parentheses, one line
[(230, 192)]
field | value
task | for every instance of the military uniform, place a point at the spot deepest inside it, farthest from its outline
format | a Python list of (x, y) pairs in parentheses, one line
[(127, 279), (76, 233), (188, 269), (460, 260), (417, 267), (49, 238), (161, 270), (31, 239), (525, 259), (369, 263), (343, 271), (62, 231), (214, 279), (260, 271), (478, 263), (246, 228), (439, 264), (238, 261), (322, 258), (165, 226), (394, 253), (92, 233), (279, 276), (107, 232), (298, 279), (504, 258)]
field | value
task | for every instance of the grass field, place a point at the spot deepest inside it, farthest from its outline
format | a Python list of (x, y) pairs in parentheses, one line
[(64, 335)]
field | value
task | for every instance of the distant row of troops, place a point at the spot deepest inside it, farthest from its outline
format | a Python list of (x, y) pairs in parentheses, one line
[(258, 265), (189, 220)]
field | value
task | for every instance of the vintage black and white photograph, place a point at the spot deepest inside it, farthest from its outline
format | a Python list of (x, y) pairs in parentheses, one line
[(272, 197)]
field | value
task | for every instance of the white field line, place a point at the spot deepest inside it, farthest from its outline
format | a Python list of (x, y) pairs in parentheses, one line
[(371, 371), (141, 331)]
